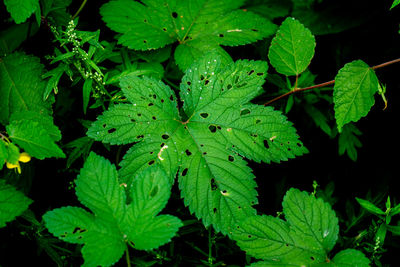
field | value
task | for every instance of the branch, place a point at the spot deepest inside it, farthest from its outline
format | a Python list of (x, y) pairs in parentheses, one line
[(296, 90)]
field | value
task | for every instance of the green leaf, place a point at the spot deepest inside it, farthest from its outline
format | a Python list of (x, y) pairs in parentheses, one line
[(21, 86), (370, 206), (350, 258), (394, 229), (12, 37), (395, 210), (34, 139), (292, 48), (3, 153), (349, 142), (12, 203), (304, 239), (20, 10), (87, 89), (105, 232), (198, 25), (208, 142), (353, 93), (13, 153), (395, 3)]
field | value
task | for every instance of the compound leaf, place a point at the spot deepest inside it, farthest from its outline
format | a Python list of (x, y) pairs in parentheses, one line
[(311, 217), (113, 223), (353, 93), (198, 25), (20, 10), (21, 86), (304, 239), (219, 128), (12, 202), (292, 48)]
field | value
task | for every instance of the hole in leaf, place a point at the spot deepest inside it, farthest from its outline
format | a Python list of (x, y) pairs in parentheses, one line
[(154, 118), (151, 152), (202, 77), (164, 29), (165, 136), (174, 15), (171, 98), (154, 191), (151, 162), (145, 20), (184, 172), (188, 153), (286, 245), (76, 229), (133, 120), (145, 41), (213, 185), (239, 207), (251, 72), (224, 191), (220, 35), (204, 153), (258, 121), (162, 144), (215, 210), (231, 158), (312, 258), (140, 136), (299, 145), (266, 145), (150, 104), (219, 127), (139, 114), (112, 130), (155, 96), (162, 100), (188, 83), (249, 236), (254, 30), (212, 128), (260, 74), (229, 87), (104, 125), (204, 115), (206, 82), (244, 112)]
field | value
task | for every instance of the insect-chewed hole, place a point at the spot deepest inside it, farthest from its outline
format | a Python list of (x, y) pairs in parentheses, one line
[(145, 20), (254, 30), (220, 35), (202, 77), (154, 191), (188, 153), (145, 41), (204, 115), (184, 172), (312, 258), (154, 118), (151, 162), (231, 158), (140, 136), (104, 125), (215, 210), (133, 120), (260, 74), (213, 185), (244, 111), (150, 104), (174, 15), (164, 29), (154, 96), (165, 136), (229, 87), (251, 72), (249, 236), (188, 83), (266, 144), (206, 82), (162, 100), (171, 97), (258, 121), (299, 145), (212, 128), (112, 130), (139, 114)]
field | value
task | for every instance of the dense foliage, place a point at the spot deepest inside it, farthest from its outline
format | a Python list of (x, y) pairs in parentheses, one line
[(187, 133)]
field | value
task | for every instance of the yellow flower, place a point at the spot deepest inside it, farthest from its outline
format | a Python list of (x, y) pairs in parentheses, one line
[(23, 157)]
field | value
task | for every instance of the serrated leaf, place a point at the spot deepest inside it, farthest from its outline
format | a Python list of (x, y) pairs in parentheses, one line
[(351, 258), (353, 93), (20, 10), (12, 37), (349, 142), (311, 217), (271, 239), (12, 203), (105, 232), (220, 127), (292, 48), (370, 206), (21, 86), (304, 239), (198, 25), (34, 139), (12, 153)]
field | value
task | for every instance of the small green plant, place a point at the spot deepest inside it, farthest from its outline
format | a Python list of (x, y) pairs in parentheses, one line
[(187, 102)]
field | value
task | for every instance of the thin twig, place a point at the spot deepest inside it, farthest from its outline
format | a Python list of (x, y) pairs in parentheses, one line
[(324, 84)]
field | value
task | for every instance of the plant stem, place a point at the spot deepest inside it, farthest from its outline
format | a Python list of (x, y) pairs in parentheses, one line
[(128, 259), (80, 9), (296, 90), (210, 258)]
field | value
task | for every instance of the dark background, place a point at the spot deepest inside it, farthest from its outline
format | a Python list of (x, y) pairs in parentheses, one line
[(375, 40)]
